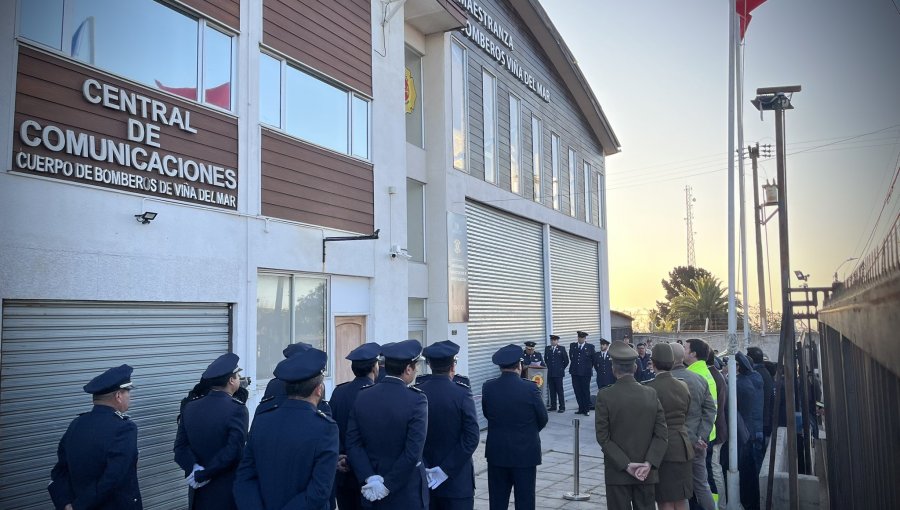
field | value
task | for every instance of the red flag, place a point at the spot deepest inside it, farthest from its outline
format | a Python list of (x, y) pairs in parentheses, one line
[(744, 8)]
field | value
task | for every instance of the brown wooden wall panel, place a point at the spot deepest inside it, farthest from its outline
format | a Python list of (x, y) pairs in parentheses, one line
[(49, 91), (304, 183), (333, 37), (226, 11)]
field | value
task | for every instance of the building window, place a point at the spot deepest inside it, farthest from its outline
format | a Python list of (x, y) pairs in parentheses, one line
[(313, 109), (601, 194), (458, 104), (587, 192), (572, 170), (418, 325), (415, 220), (289, 309), (415, 132), (489, 105), (537, 153), (515, 144), (162, 51), (554, 165)]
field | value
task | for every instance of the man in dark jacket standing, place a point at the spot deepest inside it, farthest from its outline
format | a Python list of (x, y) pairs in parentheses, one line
[(386, 433), (758, 358), (516, 415), (581, 357), (364, 363), (292, 451), (750, 408), (453, 433), (211, 434), (603, 365), (97, 456), (557, 360)]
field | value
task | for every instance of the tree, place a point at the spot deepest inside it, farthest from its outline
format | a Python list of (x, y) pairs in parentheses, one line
[(679, 278), (703, 299), (773, 325)]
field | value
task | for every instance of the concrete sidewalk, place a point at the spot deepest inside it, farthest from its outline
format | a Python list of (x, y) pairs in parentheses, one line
[(555, 474)]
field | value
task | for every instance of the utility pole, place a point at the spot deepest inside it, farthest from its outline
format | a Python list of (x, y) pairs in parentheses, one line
[(776, 98), (689, 205), (757, 223)]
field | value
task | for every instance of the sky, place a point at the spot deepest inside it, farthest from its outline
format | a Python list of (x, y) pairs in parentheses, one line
[(660, 72)]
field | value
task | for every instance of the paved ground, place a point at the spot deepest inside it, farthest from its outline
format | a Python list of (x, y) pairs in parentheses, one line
[(555, 476)]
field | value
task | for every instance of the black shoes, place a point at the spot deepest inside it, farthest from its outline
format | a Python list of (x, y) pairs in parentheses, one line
[(551, 409), (561, 411)]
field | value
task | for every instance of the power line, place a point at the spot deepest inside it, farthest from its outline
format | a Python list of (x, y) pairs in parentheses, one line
[(887, 199)]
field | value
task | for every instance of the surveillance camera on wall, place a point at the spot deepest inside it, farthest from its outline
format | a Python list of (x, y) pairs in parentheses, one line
[(397, 251)]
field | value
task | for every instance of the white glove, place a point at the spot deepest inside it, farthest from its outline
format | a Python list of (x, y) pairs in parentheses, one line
[(435, 477), (190, 479), (374, 488)]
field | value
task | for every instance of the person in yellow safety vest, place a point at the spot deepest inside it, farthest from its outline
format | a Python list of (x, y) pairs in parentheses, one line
[(696, 353)]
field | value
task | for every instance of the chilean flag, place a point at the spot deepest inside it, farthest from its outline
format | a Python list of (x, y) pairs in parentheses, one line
[(744, 8)]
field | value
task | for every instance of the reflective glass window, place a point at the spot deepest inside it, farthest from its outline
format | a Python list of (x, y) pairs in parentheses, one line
[(413, 90), (489, 105), (309, 311), (217, 68), (554, 165), (536, 155), (415, 220), (572, 170), (269, 90), (515, 147), (41, 21), (458, 104), (273, 322), (360, 132), (316, 111), (587, 192)]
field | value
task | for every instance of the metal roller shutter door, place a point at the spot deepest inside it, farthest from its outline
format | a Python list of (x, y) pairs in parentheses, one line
[(506, 287), (51, 349), (575, 288)]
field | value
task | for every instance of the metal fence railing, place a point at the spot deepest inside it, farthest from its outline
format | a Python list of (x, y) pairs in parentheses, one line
[(880, 262)]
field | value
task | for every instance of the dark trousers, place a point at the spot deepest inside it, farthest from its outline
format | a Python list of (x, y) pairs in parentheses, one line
[(436, 503), (502, 479), (347, 490), (622, 497), (555, 385), (582, 386)]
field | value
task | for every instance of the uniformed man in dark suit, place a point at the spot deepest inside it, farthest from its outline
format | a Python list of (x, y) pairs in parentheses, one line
[(292, 451), (603, 365), (644, 370), (364, 363), (581, 356), (453, 432), (531, 358), (515, 415), (275, 393), (557, 360), (211, 434), (97, 456), (631, 430), (386, 434)]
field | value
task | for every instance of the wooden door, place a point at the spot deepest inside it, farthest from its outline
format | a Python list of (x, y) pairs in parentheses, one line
[(349, 333)]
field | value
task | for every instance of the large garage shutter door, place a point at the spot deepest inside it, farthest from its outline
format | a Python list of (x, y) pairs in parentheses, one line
[(575, 287), (506, 287), (49, 350)]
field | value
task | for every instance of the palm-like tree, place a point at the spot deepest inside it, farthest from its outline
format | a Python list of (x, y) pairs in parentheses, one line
[(704, 299)]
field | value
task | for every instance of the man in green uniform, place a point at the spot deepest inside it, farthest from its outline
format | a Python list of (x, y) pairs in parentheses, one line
[(631, 430)]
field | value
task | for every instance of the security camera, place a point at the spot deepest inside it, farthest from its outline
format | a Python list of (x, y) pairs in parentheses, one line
[(397, 251)]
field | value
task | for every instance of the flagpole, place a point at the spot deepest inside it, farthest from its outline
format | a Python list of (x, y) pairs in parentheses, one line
[(739, 56), (733, 482)]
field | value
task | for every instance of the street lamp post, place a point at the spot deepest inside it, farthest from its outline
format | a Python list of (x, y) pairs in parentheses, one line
[(840, 266), (779, 100)]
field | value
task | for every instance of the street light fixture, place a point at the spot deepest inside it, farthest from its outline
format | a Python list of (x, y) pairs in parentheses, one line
[(840, 266)]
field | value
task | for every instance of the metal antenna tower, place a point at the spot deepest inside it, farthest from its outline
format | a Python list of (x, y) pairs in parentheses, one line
[(689, 205)]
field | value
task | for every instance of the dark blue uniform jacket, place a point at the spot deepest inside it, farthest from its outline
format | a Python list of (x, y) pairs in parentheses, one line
[(603, 367), (556, 360), (452, 435), (212, 432), (289, 461), (581, 359), (516, 415), (97, 463), (276, 394), (386, 436)]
